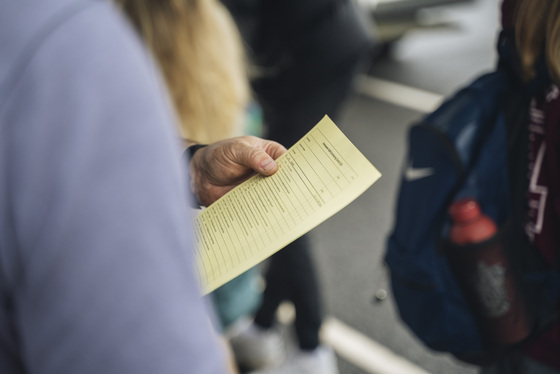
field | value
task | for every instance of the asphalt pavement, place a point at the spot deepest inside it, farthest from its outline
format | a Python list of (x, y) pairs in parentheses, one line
[(456, 45)]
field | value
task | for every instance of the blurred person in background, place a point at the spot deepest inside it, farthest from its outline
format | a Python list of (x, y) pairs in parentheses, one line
[(304, 56), (199, 50), (96, 248), (533, 27)]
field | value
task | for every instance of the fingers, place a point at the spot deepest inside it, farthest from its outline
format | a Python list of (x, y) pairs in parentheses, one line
[(221, 166)]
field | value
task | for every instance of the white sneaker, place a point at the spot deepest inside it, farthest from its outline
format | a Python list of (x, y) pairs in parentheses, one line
[(320, 361), (254, 347)]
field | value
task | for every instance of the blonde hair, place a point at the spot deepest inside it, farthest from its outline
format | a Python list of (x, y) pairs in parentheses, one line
[(537, 26), (199, 50)]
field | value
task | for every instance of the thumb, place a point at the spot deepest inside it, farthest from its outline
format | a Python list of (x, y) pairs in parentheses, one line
[(259, 161)]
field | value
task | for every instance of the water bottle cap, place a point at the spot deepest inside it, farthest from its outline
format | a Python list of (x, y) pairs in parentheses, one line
[(464, 209)]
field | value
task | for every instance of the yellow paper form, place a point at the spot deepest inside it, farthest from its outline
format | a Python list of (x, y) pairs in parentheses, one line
[(321, 174)]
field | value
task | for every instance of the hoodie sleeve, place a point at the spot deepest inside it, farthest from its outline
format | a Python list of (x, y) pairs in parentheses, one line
[(101, 276)]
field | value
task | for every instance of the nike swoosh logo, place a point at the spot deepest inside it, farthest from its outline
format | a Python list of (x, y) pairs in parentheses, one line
[(411, 173)]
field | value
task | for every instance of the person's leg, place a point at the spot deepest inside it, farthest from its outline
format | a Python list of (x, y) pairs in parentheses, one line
[(291, 276), (289, 114), (305, 295)]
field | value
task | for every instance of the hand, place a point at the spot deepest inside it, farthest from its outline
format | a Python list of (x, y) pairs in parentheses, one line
[(219, 167)]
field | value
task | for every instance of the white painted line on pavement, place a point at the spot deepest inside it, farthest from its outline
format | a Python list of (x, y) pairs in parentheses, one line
[(363, 352), (354, 346), (398, 94)]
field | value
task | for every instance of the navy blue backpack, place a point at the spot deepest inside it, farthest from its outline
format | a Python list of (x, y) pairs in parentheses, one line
[(460, 150)]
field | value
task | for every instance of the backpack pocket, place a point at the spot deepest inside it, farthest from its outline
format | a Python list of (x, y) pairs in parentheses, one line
[(430, 302)]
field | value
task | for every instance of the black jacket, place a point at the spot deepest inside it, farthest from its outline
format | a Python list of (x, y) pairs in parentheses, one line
[(302, 39)]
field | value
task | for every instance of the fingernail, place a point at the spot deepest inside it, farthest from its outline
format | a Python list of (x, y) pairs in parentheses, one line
[(267, 165)]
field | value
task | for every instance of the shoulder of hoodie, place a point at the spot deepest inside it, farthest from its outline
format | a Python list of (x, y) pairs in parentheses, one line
[(26, 24)]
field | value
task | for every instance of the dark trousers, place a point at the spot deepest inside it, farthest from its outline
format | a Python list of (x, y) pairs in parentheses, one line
[(289, 114), (291, 276)]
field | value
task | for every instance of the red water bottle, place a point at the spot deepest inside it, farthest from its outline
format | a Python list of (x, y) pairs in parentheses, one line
[(483, 271)]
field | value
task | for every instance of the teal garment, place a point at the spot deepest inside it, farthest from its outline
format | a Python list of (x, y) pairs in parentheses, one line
[(241, 296), (254, 121), (238, 298)]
